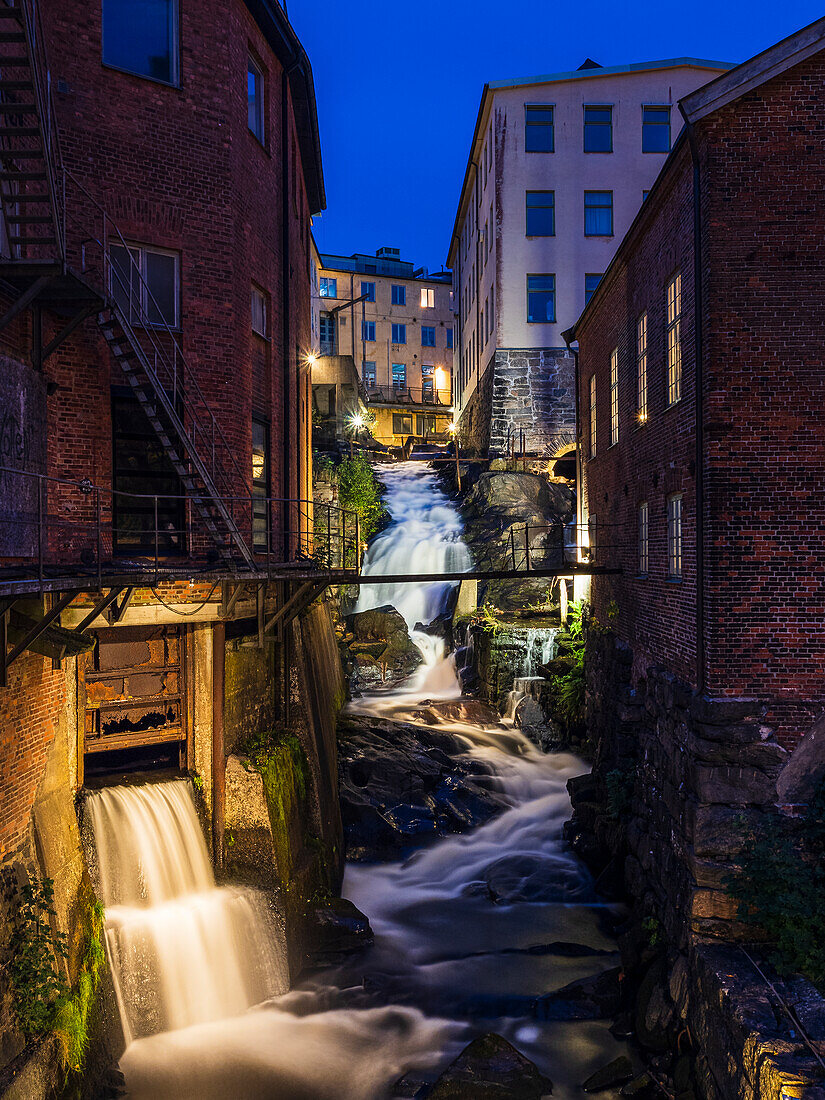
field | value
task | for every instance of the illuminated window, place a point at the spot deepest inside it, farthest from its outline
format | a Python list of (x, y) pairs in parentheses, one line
[(402, 424), (398, 295), (541, 298), (598, 213), (655, 129), (538, 128), (427, 336), (427, 298), (427, 382), (540, 213), (644, 538), (399, 376), (598, 129), (614, 396), (258, 311), (328, 288), (673, 340), (260, 483), (590, 284), (641, 368), (592, 415), (674, 536), (255, 99)]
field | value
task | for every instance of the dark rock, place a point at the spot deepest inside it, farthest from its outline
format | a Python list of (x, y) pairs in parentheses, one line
[(401, 783), (802, 775), (337, 928), (458, 710), (655, 1015), (528, 713), (410, 1087), (640, 1088), (596, 998), (399, 657), (528, 878), (614, 1073), (490, 1068), (622, 1028)]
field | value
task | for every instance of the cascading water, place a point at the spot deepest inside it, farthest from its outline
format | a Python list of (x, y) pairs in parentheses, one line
[(469, 930)]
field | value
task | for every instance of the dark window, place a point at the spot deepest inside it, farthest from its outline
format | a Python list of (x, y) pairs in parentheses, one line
[(399, 334), (427, 336), (449, 337), (368, 373), (598, 213), (538, 128), (327, 334), (368, 289), (644, 195), (402, 423), (144, 283), (368, 330), (541, 298), (598, 129), (143, 471), (258, 311), (425, 424), (255, 99), (590, 284), (540, 213), (655, 129), (140, 36), (399, 295), (427, 380), (260, 484)]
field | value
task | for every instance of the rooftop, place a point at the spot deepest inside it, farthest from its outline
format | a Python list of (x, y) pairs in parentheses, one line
[(386, 261)]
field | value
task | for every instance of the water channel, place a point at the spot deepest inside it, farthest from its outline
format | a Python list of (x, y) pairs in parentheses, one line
[(448, 962)]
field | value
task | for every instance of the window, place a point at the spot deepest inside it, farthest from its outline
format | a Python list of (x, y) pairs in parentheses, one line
[(590, 284), (402, 424), (329, 287), (398, 295), (142, 38), (598, 213), (540, 213), (592, 415), (541, 298), (399, 376), (427, 297), (144, 283), (368, 372), (327, 334), (674, 536), (538, 128), (655, 129), (427, 378), (258, 311), (368, 292), (368, 330), (641, 368), (426, 424), (644, 538), (260, 484), (449, 337), (614, 397), (598, 129), (427, 336), (673, 341), (399, 334), (255, 100)]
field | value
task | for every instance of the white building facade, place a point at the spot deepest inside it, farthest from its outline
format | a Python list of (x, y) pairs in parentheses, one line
[(558, 168)]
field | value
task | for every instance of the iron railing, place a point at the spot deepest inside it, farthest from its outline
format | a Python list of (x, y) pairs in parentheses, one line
[(406, 395), (53, 528), (529, 546)]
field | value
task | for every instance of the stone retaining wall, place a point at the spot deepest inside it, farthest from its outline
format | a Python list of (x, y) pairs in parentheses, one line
[(534, 392)]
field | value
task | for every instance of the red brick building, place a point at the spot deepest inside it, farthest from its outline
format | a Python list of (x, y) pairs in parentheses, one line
[(159, 169), (701, 396)]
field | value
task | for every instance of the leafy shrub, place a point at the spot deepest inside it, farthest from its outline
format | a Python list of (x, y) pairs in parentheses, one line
[(569, 687), (781, 887), (487, 618), (359, 491), (38, 989)]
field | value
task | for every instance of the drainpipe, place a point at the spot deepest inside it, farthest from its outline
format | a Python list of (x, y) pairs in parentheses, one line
[(287, 457), (218, 753), (568, 337), (699, 430)]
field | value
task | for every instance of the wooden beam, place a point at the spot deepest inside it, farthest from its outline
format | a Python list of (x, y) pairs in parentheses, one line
[(40, 626), (295, 605), (229, 604), (116, 611), (98, 609)]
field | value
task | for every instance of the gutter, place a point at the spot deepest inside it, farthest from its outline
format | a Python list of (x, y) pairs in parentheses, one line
[(699, 429)]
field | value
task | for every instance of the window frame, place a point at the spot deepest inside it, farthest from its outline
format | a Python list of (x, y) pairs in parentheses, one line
[(656, 125), (427, 298), (643, 561), (368, 377), (551, 206), (551, 107), (399, 329), (673, 339), (449, 332), (598, 206), (596, 107), (143, 283), (399, 418), (367, 327), (399, 384), (326, 279), (675, 547), (370, 293), (592, 424), (174, 50), (261, 487), (642, 411), (588, 294), (256, 291), (541, 275), (430, 330), (614, 397), (253, 65), (398, 294)]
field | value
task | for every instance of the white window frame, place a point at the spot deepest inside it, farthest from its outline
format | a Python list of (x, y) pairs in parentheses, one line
[(644, 538), (138, 253), (259, 297), (592, 415), (674, 537), (673, 341), (428, 297), (641, 368), (614, 397)]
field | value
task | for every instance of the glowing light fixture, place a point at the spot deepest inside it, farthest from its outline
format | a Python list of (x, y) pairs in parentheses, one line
[(357, 421)]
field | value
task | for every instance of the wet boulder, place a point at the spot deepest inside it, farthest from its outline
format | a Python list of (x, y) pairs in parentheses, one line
[(520, 492), (380, 649), (598, 997), (336, 929), (457, 710), (528, 878), (617, 1072), (401, 784), (490, 1068)]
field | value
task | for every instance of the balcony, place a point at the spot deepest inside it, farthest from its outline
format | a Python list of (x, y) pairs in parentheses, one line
[(423, 397)]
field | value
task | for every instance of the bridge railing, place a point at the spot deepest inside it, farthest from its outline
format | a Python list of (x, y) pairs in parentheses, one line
[(551, 545), (55, 530)]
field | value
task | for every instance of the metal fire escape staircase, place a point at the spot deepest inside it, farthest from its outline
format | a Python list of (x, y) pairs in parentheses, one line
[(38, 197)]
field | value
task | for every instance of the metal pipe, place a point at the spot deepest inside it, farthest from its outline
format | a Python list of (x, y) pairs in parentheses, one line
[(218, 755), (699, 428)]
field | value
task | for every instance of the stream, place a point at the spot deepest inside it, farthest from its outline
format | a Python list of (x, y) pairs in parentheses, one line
[(453, 957)]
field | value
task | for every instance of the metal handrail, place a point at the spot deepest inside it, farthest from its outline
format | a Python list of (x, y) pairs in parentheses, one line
[(402, 394)]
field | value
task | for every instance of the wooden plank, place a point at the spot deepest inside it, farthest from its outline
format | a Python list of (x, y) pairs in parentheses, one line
[(134, 740)]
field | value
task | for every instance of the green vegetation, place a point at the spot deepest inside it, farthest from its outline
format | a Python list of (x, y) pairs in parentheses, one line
[(654, 932), (569, 687), (42, 1000), (488, 619), (781, 887), (359, 491)]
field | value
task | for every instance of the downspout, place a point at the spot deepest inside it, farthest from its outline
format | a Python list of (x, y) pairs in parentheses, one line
[(285, 308), (699, 430), (568, 338)]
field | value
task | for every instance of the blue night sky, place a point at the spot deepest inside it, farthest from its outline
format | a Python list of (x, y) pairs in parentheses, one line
[(398, 87)]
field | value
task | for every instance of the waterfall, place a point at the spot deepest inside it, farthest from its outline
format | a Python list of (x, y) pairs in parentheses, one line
[(540, 648), (182, 950)]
